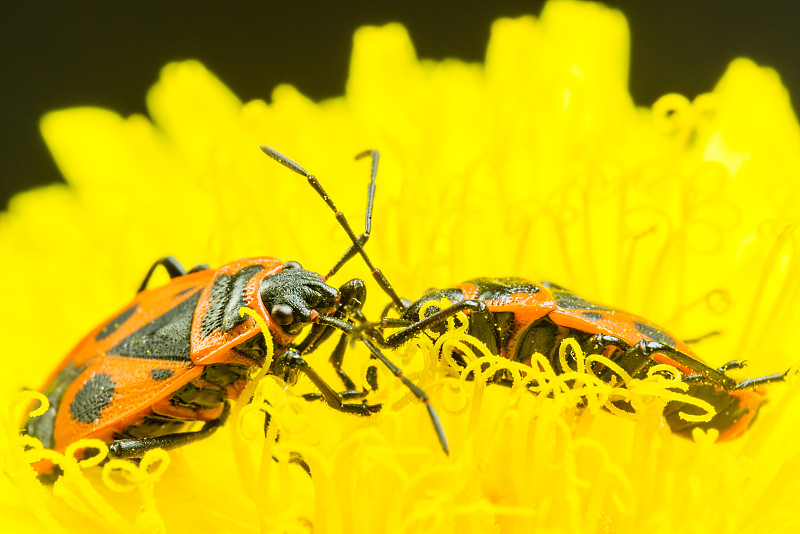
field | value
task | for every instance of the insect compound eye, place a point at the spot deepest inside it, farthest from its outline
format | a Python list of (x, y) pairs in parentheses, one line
[(291, 265), (282, 314)]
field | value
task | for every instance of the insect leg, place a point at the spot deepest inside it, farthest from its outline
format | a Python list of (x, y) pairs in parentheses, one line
[(136, 448), (751, 383), (372, 377), (317, 335), (346, 395), (292, 359), (600, 343), (703, 337), (711, 375), (336, 359), (173, 267), (733, 364), (294, 456), (391, 322), (387, 309), (402, 336), (353, 294), (636, 357), (396, 371)]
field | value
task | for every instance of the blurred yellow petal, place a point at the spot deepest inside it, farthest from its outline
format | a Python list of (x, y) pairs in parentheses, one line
[(194, 110)]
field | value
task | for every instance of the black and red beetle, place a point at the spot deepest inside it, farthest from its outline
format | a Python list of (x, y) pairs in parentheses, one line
[(175, 355), (515, 318)]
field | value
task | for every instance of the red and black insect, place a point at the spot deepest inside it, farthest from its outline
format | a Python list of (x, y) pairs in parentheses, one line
[(516, 318), (174, 356)]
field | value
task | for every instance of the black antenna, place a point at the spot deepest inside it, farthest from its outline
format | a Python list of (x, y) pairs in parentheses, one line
[(352, 250), (357, 246)]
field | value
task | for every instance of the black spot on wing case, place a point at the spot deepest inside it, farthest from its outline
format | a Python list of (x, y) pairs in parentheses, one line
[(92, 399), (502, 288), (166, 337), (567, 300), (161, 374), (654, 333), (114, 324)]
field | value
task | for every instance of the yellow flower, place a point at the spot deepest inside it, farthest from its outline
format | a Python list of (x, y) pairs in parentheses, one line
[(536, 164)]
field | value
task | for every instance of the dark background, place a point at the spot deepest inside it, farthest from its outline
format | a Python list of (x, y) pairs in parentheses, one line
[(108, 54)]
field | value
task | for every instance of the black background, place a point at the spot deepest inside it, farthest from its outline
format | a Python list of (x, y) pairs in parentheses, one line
[(108, 54)]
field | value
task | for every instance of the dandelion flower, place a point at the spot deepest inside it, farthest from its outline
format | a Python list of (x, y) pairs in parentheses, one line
[(535, 163)]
